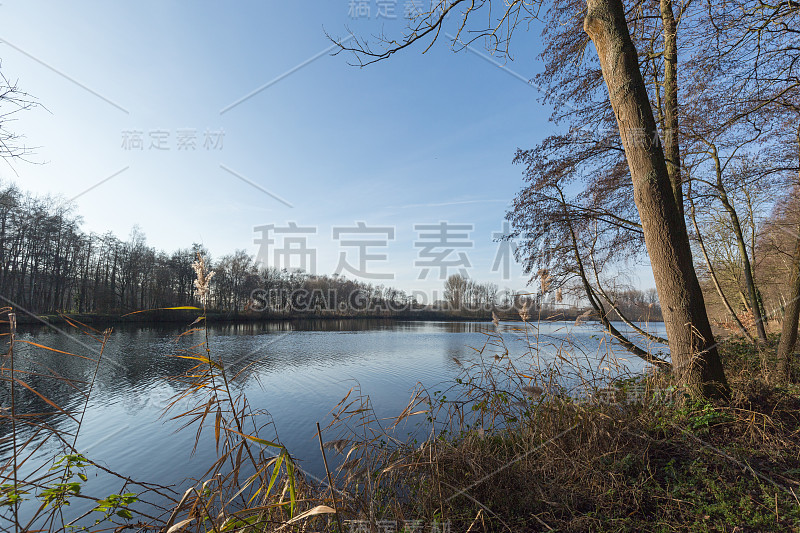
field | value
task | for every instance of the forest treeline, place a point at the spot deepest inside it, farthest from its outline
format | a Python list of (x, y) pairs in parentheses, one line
[(48, 264)]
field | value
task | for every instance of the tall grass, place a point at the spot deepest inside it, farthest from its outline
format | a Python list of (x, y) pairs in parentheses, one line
[(499, 411), (254, 482), (517, 444)]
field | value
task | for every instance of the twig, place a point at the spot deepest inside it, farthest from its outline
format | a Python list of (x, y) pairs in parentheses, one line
[(12, 326), (330, 480)]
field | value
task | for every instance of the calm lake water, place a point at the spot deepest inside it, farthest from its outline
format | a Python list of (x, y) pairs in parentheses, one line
[(298, 372)]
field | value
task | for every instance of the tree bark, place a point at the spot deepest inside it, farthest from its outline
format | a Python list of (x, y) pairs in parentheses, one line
[(695, 358), (670, 128)]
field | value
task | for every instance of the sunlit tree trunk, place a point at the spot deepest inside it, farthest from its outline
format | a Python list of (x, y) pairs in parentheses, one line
[(790, 320), (670, 129), (694, 354)]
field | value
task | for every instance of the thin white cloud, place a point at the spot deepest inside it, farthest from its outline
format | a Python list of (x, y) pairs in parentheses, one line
[(445, 204)]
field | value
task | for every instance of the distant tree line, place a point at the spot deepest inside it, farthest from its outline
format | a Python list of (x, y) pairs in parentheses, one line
[(49, 264), (464, 295)]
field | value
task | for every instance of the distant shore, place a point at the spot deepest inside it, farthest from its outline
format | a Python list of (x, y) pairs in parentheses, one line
[(216, 317)]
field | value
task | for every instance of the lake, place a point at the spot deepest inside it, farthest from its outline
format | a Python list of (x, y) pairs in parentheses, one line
[(298, 371)]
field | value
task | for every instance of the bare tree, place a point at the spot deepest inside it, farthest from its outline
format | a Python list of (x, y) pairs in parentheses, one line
[(13, 101), (757, 46), (694, 353), (791, 315), (691, 342)]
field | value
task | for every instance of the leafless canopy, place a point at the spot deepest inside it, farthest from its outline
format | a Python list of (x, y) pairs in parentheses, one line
[(12, 101), (463, 22)]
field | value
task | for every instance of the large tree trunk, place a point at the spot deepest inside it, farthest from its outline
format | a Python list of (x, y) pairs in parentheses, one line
[(670, 128), (694, 354)]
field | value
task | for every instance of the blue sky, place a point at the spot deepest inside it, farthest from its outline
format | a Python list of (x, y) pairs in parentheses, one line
[(417, 139)]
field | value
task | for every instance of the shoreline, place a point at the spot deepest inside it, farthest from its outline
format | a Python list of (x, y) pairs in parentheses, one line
[(161, 316)]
